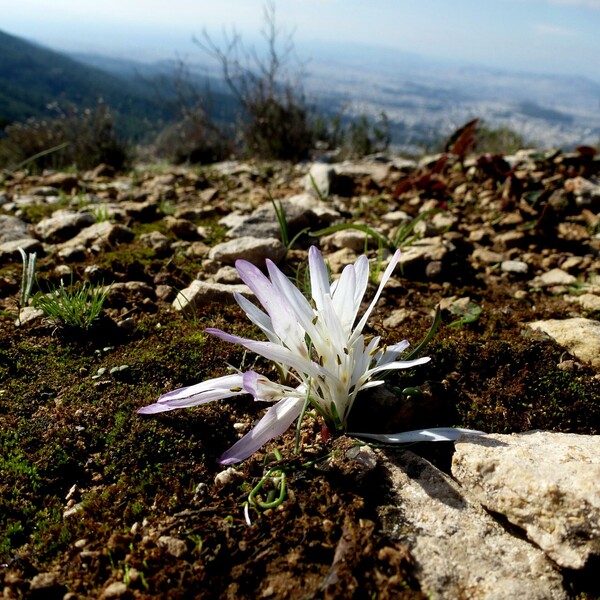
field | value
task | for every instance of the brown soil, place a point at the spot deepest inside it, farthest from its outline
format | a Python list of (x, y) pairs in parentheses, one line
[(92, 493)]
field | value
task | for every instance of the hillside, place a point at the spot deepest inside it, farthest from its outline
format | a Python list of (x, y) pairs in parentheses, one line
[(32, 77)]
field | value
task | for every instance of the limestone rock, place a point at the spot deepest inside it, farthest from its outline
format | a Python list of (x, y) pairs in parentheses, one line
[(12, 229), (377, 171), (301, 211), (202, 293), (9, 251), (516, 267), (346, 238), (63, 225), (254, 250), (546, 483), (581, 337), (554, 277), (319, 179), (174, 546), (182, 228), (424, 251), (588, 302), (158, 241), (459, 549), (101, 234), (487, 257), (586, 192), (116, 589)]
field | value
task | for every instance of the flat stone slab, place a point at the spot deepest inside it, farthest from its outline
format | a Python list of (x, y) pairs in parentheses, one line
[(546, 483), (460, 551)]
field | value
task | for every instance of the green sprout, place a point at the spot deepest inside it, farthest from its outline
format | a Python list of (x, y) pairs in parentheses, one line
[(404, 236), (76, 306), (283, 225)]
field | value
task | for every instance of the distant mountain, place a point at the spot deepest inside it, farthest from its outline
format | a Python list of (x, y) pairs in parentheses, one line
[(424, 99), (33, 77)]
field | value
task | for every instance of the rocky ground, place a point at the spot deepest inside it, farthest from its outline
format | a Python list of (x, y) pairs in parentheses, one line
[(99, 502)]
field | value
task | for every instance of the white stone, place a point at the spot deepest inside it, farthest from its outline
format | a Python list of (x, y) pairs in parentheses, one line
[(554, 277), (174, 546), (100, 234), (62, 225), (202, 293), (589, 302), (546, 483), (254, 250), (518, 267), (424, 250), (229, 475), (581, 337), (318, 180)]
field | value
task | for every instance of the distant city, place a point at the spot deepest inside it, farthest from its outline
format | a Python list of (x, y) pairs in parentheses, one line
[(425, 100)]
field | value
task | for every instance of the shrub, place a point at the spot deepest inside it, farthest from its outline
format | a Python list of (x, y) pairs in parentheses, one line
[(195, 138), (82, 138), (498, 140)]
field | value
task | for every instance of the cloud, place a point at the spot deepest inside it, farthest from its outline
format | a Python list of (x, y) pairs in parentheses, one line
[(553, 30), (593, 4)]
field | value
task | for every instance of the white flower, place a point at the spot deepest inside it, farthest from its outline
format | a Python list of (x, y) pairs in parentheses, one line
[(323, 357)]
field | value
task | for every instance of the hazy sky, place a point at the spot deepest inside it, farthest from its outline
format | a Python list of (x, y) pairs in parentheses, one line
[(552, 36)]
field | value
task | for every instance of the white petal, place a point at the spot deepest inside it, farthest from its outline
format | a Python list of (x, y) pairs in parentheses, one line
[(257, 316), (265, 390), (276, 421), (343, 299), (436, 434), (319, 276), (386, 275), (399, 364)]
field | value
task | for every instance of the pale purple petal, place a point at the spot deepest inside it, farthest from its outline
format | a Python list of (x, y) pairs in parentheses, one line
[(257, 316), (274, 352), (200, 393), (300, 306), (276, 421), (436, 434), (284, 323)]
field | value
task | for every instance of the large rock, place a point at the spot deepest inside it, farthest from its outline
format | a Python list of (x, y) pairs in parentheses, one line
[(300, 211), (319, 179), (63, 225), (581, 337), (554, 277), (9, 251), (12, 229), (459, 549), (545, 483), (101, 234), (254, 250), (200, 294)]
